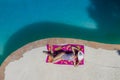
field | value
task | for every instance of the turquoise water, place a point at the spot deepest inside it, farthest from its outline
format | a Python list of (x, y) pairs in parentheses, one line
[(24, 21)]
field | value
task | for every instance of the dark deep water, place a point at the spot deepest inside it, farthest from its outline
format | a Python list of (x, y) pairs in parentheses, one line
[(22, 22)]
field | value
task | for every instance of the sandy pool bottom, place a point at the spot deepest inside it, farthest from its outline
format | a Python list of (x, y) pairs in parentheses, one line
[(100, 64)]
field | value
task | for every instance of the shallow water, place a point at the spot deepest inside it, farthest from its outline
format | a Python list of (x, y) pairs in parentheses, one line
[(24, 21)]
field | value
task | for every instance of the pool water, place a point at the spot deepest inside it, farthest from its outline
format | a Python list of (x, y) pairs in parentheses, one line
[(24, 21)]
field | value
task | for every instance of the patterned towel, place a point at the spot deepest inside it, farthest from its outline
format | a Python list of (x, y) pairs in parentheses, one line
[(68, 57)]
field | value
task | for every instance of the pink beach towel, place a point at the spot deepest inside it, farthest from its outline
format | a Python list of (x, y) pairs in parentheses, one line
[(66, 59)]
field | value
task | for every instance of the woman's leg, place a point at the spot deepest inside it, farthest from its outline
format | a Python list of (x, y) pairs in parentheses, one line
[(58, 57)]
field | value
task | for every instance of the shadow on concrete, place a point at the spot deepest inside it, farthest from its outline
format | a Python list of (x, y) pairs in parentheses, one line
[(118, 51)]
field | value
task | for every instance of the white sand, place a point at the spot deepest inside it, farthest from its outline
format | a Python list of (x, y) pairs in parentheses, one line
[(100, 64)]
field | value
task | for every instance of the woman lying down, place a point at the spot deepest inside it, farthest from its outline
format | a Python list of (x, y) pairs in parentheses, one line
[(74, 54)]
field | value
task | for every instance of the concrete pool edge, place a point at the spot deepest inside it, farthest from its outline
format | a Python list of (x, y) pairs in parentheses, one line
[(18, 53)]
